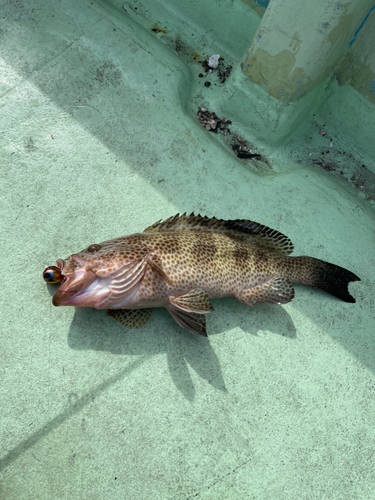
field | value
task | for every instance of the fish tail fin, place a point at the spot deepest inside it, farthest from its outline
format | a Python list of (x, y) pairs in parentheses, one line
[(329, 278)]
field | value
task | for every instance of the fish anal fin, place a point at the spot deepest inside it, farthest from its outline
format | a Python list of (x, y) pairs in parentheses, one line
[(156, 265), (239, 229), (274, 291), (194, 323), (131, 318), (195, 301)]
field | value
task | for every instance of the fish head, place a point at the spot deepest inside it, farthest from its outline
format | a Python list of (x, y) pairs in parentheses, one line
[(86, 276)]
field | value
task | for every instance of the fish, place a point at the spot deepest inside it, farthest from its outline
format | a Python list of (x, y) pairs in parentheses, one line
[(183, 262)]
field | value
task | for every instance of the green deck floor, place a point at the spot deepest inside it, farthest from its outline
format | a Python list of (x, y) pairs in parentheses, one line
[(98, 140)]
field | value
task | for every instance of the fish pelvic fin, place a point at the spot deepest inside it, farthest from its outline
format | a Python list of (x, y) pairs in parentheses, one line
[(277, 290), (195, 301), (189, 310), (329, 278), (242, 230), (192, 322), (131, 318)]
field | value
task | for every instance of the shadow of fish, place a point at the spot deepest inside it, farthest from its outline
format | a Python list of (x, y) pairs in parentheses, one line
[(183, 262)]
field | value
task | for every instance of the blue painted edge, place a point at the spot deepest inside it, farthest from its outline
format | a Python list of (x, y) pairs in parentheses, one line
[(262, 3), (361, 25)]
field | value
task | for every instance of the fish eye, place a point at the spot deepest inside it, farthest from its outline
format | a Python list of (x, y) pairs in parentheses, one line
[(94, 248), (52, 274)]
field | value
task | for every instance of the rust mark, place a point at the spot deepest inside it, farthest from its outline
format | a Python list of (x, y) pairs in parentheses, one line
[(159, 29)]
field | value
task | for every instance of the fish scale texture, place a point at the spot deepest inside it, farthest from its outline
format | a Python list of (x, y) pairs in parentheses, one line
[(98, 141)]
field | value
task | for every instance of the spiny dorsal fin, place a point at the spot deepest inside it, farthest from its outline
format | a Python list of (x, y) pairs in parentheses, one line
[(240, 229)]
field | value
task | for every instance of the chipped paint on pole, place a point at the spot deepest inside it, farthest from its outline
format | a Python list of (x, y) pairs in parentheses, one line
[(298, 44)]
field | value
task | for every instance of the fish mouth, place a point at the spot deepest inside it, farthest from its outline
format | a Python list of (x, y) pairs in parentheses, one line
[(74, 288), (62, 297)]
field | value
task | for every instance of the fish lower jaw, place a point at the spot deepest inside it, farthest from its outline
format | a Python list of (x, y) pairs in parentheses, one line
[(91, 296), (63, 298), (77, 300)]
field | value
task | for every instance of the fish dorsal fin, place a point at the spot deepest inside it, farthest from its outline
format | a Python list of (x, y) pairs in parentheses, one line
[(263, 235), (242, 230)]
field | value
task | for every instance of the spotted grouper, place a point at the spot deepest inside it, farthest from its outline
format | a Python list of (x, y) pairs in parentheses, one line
[(183, 262)]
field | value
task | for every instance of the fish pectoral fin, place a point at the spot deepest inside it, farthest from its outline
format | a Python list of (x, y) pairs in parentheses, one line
[(195, 301), (131, 318), (193, 322), (156, 265), (124, 282), (274, 291)]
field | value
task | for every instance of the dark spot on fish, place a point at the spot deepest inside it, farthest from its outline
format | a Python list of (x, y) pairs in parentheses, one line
[(206, 250), (240, 254), (237, 237), (260, 258)]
